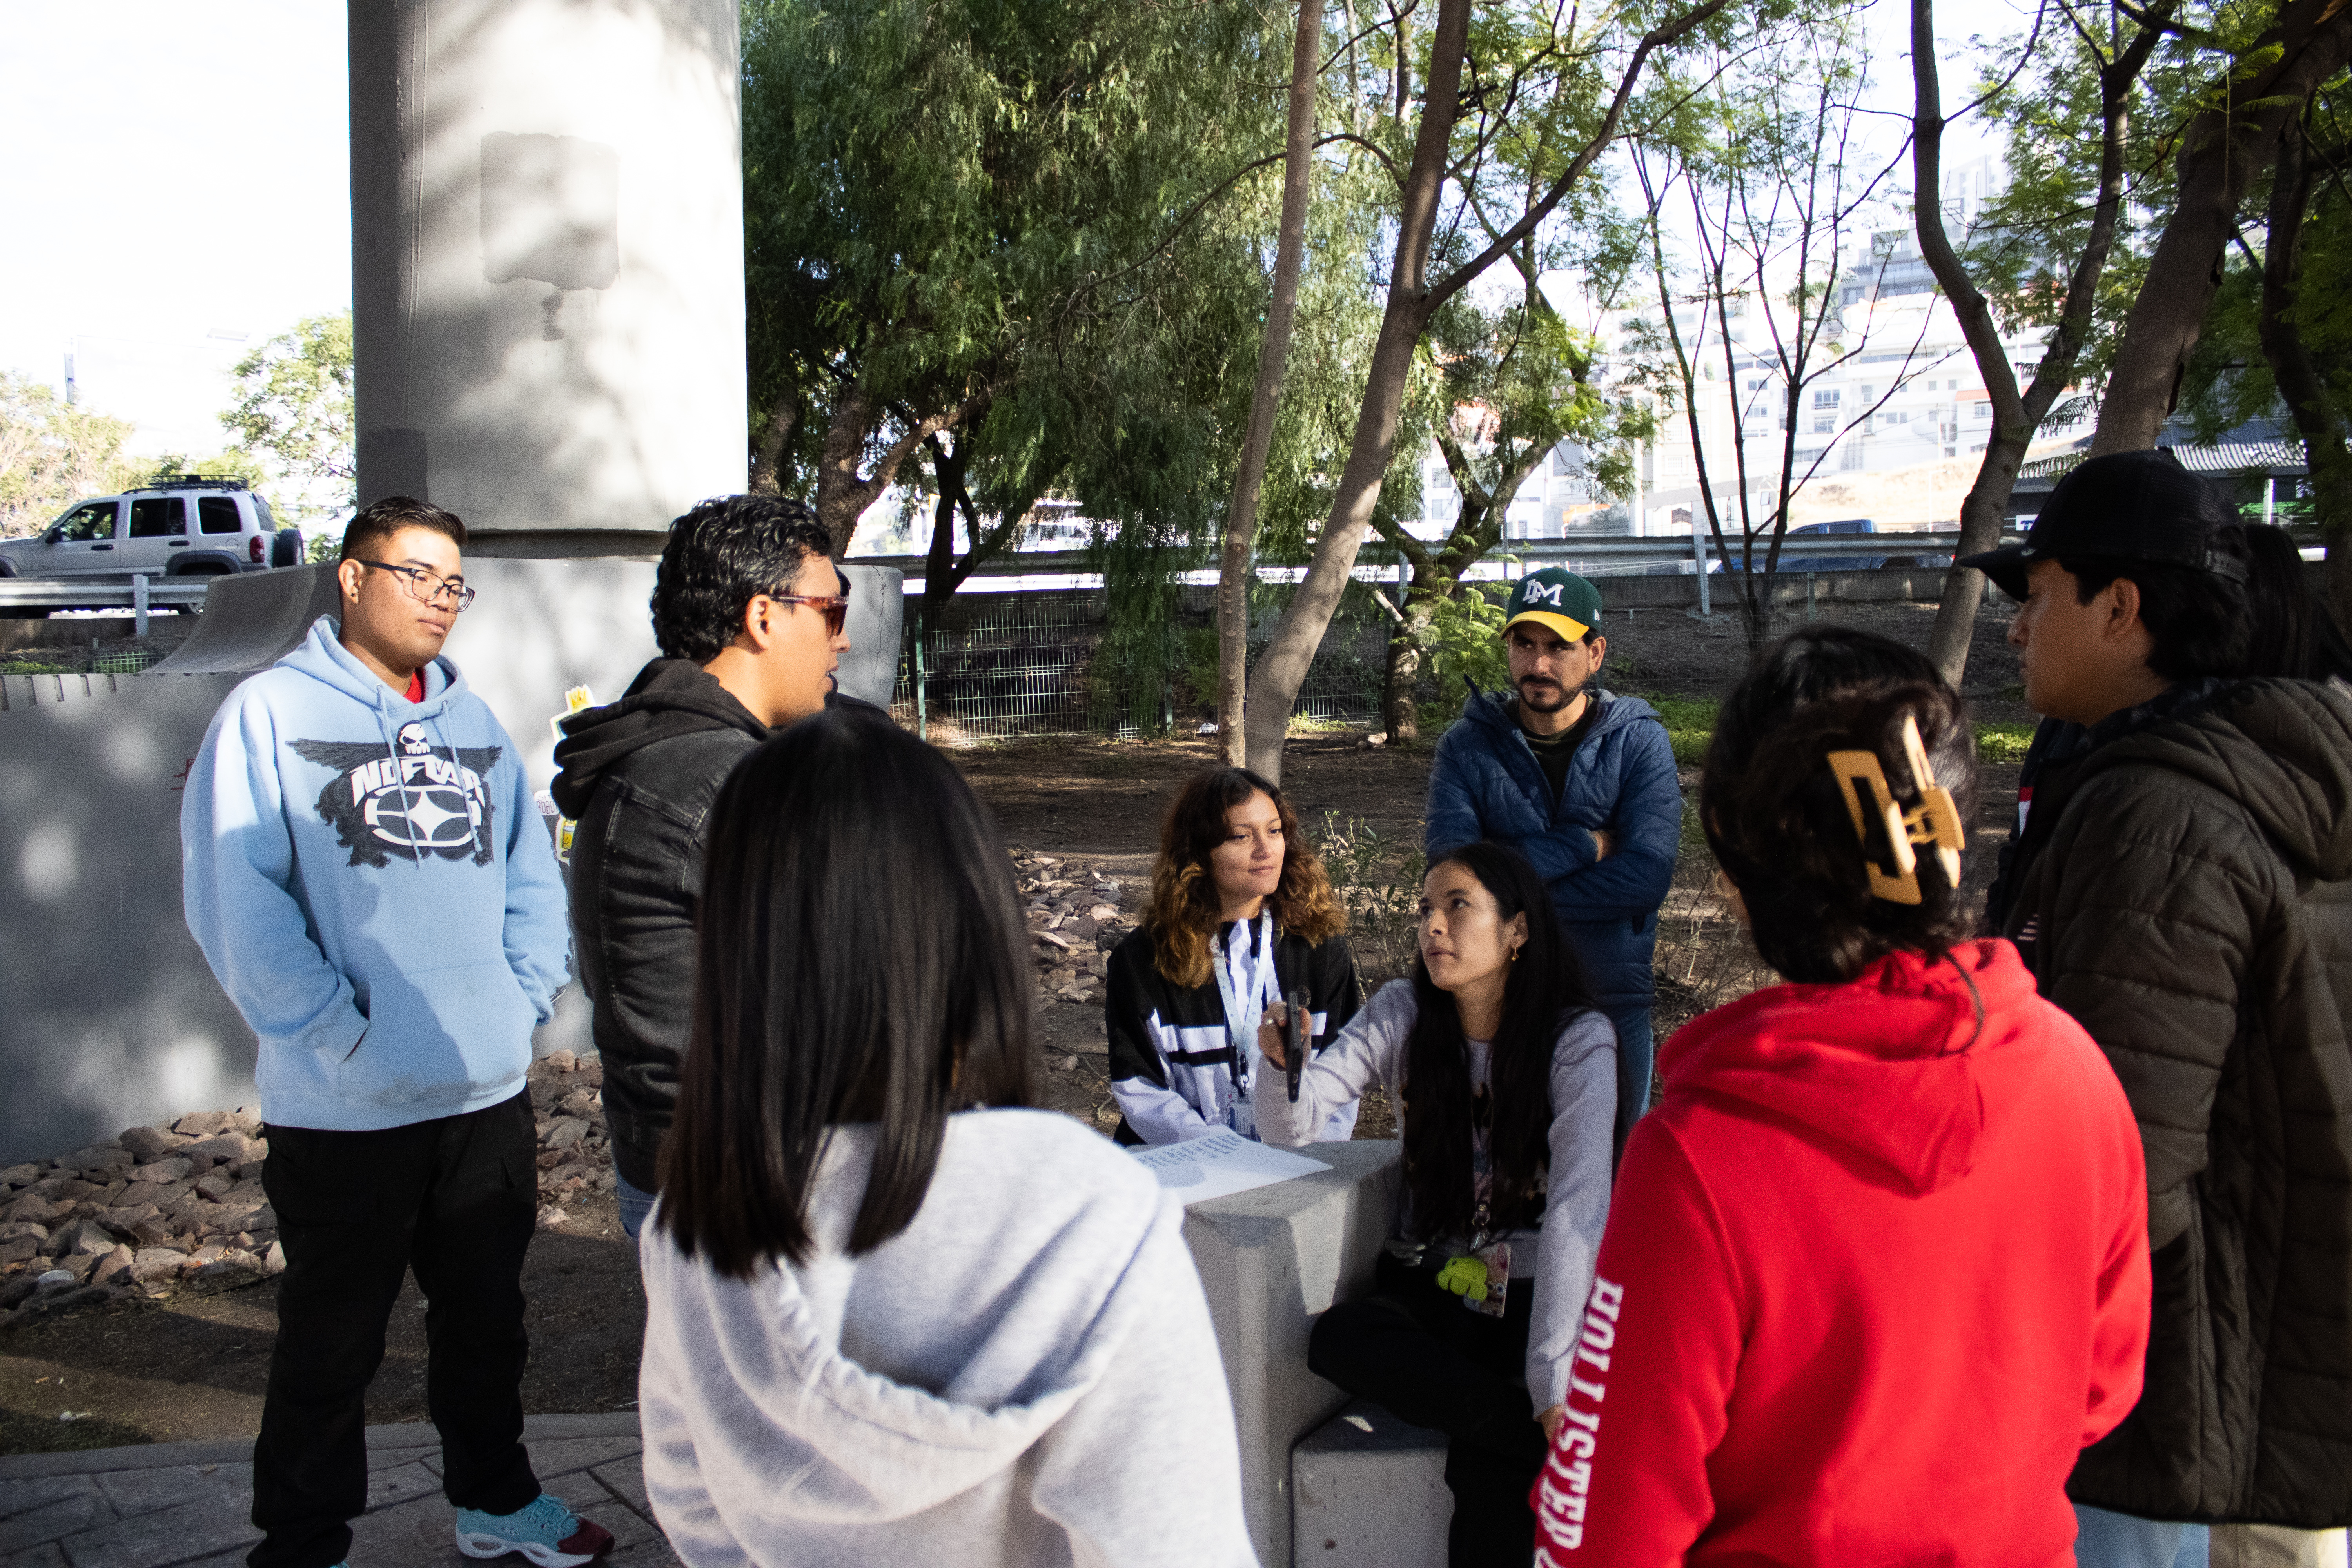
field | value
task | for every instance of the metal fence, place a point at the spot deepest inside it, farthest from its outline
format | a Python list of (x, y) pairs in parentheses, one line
[(1048, 664)]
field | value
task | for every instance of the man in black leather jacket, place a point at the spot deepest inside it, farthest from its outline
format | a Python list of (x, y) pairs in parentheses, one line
[(750, 613)]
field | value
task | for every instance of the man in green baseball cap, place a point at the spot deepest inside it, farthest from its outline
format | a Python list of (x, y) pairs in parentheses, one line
[(1559, 599), (1582, 783)]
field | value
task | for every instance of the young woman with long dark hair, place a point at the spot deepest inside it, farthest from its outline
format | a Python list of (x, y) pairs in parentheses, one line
[(1240, 912), (891, 1317), (1505, 1077), (1877, 1267)]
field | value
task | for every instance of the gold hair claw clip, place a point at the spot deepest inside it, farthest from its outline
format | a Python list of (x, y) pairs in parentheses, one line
[(1934, 821)]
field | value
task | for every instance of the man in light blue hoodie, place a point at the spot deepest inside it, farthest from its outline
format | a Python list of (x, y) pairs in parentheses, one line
[(365, 873)]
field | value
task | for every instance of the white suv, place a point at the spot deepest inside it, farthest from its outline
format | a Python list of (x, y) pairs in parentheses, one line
[(187, 527)]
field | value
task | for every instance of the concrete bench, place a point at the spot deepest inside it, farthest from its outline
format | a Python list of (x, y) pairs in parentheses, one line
[(1271, 1260), (1369, 1491)]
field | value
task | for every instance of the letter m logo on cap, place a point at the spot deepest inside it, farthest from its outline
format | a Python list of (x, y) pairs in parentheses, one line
[(1559, 600)]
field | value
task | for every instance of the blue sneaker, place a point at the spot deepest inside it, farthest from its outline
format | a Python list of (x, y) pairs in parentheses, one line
[(547, 1532)]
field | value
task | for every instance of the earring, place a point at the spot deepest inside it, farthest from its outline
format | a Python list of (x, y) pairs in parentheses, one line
[(1515, 955)]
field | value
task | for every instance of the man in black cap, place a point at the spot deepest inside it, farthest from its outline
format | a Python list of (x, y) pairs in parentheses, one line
[(2181, 883)]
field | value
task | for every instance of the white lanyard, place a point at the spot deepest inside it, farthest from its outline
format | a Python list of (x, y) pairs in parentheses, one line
[(1246, 1001)]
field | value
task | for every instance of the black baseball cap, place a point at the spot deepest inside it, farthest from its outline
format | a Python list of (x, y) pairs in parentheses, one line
[(2126, 505)]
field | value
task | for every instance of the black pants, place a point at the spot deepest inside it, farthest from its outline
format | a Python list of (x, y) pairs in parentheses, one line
[(1418, 1353), (454, 1198)]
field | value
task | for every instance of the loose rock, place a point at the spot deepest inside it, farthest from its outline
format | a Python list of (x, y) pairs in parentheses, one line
[(148, 1144)]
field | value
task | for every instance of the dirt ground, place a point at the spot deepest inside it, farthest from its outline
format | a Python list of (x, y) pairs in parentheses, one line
[(195, 1366)]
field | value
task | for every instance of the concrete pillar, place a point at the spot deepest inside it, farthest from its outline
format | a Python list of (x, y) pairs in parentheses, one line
[(547, 264)]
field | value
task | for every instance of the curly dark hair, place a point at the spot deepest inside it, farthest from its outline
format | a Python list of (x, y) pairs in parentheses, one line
[(1182, 913), (1777, 818), (720, 556)]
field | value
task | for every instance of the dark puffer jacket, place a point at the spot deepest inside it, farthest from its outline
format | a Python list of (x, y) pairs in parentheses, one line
[(640, 776), (2192, 908), (1486, 783)]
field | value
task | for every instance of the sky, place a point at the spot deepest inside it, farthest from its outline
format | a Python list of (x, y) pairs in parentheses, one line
[(177, 186)]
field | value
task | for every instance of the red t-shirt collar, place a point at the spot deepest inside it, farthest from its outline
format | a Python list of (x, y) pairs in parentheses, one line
[(416, 692)]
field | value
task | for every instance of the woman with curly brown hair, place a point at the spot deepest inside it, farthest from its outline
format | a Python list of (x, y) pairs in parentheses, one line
[(1240, 913)]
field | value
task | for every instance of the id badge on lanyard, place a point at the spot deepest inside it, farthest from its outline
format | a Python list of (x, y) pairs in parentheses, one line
[(1246, 1002)]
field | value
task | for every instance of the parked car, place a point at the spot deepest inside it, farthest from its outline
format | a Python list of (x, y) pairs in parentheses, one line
[(187, 527)]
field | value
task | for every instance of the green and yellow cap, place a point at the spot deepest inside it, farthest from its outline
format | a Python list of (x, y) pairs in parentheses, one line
[(1556, 598)]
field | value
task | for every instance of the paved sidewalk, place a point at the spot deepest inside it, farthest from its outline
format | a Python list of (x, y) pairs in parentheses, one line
[(187, 1505)]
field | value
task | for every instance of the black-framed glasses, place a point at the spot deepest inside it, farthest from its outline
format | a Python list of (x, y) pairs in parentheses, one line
[(426, 588), (835, 607)]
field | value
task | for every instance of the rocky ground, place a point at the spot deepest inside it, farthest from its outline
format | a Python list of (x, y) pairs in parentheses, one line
[(156, 1210)]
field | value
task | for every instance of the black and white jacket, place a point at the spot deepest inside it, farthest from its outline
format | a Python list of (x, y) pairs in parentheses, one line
[(1171, 1062)]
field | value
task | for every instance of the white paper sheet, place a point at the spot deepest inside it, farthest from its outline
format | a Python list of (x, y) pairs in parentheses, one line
[(1221, 1164)]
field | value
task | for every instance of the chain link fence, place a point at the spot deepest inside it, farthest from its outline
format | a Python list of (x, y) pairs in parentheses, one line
[(1053, 663)]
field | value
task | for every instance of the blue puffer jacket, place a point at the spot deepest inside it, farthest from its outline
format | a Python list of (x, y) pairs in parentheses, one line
[(1486, 783)]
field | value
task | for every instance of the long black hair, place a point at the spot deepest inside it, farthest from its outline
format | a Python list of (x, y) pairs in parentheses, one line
[(1540, 990), (858, 958), (2294, 634)]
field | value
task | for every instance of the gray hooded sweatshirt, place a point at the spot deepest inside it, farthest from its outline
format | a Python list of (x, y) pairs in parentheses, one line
[(1025, 1374)]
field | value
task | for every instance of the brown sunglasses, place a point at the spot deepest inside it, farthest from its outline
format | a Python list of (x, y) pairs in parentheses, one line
[(835, 605)]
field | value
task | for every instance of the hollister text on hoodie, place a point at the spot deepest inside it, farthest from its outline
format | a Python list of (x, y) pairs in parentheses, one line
[(370, 883), (1873, 1278)]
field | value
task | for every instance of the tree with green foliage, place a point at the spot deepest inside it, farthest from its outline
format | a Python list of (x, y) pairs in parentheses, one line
[(1518, 103), (1511, 383), (979, 219), (53, 453), (1236, 566), (2040, 254), (294, 413), (2275, 345), (2270, 61)]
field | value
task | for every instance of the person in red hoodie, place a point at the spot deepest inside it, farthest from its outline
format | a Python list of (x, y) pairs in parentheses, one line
[(1876, 1269)]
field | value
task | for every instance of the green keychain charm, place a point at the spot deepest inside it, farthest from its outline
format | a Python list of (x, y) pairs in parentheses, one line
[(1466, 1277)]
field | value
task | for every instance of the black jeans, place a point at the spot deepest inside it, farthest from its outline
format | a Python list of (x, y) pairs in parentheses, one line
[(455, 1198), (1418, 1353)]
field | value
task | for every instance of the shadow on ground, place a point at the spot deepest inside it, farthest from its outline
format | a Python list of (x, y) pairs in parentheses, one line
[(196, 1367)]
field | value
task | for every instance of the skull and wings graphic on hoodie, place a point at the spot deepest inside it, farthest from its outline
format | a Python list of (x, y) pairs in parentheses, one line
[(411, 803)]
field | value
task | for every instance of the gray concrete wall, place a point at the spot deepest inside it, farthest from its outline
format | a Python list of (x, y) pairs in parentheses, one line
[(547, 260), (109, 1015), (1271, 1260)]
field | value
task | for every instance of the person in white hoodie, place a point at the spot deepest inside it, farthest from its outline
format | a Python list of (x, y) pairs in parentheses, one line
[(364, 872), (891, 1315)]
